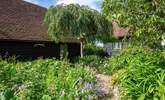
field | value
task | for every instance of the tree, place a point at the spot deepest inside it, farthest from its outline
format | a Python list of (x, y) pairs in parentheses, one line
[(146, 18), (76, 21)]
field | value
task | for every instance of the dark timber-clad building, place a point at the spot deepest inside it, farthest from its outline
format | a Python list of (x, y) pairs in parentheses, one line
[(24, 35)]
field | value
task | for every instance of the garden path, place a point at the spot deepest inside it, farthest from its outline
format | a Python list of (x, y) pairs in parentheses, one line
[(103, 89)]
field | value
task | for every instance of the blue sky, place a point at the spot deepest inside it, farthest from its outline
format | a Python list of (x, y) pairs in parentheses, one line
[(95, 4)]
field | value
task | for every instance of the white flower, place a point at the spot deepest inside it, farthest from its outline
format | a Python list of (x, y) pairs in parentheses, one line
[(163, 42)]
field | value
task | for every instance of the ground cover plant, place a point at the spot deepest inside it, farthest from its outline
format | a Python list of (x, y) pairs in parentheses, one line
[(97, 63), (94, 57), (140, 73), (44, 80)]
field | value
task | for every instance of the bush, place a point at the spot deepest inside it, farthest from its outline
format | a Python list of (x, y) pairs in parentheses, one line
[(43, 79), (140, 73), (98, 63), (91, 49)]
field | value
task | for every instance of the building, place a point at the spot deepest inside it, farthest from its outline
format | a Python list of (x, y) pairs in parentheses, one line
[(119, 33), (24, 35)]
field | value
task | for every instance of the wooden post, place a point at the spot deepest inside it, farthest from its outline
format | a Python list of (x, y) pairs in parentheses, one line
[(81, 39), (81, 49)]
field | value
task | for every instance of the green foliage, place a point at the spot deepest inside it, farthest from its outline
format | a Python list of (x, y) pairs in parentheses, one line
[(75, 20), (92, 49), (145, 17), (46, 97), (96, 62), (43, 79), (140, 73)]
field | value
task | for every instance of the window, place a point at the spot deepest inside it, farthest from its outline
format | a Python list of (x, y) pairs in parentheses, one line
[(117, 45)]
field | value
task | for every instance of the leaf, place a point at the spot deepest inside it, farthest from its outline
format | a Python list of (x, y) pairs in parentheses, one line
[(141, 97), (46, 97), (155, 98), (2, 97)]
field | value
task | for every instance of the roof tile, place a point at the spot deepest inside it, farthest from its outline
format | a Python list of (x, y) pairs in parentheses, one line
[(20, 20)]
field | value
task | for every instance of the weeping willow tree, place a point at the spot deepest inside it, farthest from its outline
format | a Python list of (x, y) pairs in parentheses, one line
[(80, 22)]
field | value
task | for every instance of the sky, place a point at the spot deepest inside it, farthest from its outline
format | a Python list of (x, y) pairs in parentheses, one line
[(95, 4)]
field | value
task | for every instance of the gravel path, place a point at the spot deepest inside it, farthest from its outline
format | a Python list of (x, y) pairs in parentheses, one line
[(103, 89)]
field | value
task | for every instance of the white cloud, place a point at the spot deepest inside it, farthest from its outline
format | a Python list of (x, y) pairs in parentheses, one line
[(33, 1), (91, 3)]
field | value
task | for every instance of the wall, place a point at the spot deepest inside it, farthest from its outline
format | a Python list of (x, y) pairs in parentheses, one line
[(29, 50), (33, 50)]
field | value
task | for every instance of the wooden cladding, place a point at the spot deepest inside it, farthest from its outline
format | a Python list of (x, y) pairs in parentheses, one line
[(33, 50)]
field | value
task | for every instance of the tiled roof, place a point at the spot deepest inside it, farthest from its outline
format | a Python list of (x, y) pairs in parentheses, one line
[(20, 20), (119, 32)]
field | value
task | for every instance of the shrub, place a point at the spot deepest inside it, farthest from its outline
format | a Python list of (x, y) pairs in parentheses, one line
[(91, 49), (43, 79), (96, 62), (140, 73)]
